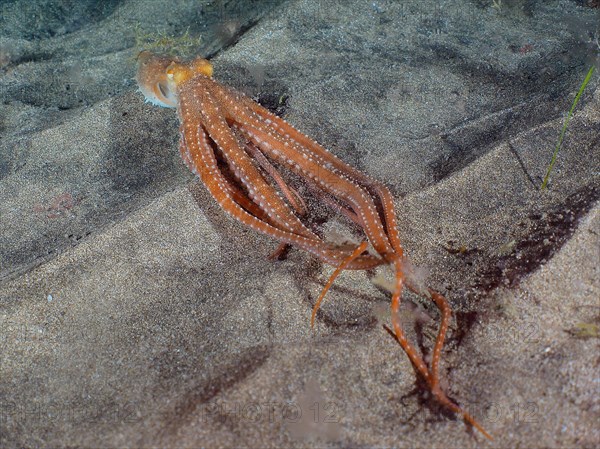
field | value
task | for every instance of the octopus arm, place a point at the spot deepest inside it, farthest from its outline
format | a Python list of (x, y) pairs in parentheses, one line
[(292, 196), (202, 156), (325, 179), (241, 165), (386, 208)]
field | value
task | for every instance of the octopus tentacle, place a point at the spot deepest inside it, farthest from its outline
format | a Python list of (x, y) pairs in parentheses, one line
[(204, 159), (327, 180), (408, 348), (291, 195), (335, 177), (430, 375), (326, 157), (294, 197), (444, 307), (242, 166), (230, 142), (237, 195), (355, 254), (336, 206)]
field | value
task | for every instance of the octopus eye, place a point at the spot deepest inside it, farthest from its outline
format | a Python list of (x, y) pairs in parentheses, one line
[(163, 89)]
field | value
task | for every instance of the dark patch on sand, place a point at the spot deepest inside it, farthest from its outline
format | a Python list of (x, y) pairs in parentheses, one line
[(275, 101), (174, 308), (547, 232), (468, 141), (47, 18), (228, 376), (130, 151), (464, 323)]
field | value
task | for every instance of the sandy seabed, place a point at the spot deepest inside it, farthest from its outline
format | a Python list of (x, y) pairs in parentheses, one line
[(134, 312)]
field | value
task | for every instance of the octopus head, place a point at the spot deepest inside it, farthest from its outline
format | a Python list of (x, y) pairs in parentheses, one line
[(160, 77)]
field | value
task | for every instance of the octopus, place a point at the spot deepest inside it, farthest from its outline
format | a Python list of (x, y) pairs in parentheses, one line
[(241, 152)]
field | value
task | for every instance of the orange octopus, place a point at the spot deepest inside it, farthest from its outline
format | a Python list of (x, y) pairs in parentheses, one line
[(231, 142)]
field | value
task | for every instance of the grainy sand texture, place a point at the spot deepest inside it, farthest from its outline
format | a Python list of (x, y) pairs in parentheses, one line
[(135, 313)]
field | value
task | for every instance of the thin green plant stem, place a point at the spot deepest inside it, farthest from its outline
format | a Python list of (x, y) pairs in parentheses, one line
[(564, 128)]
